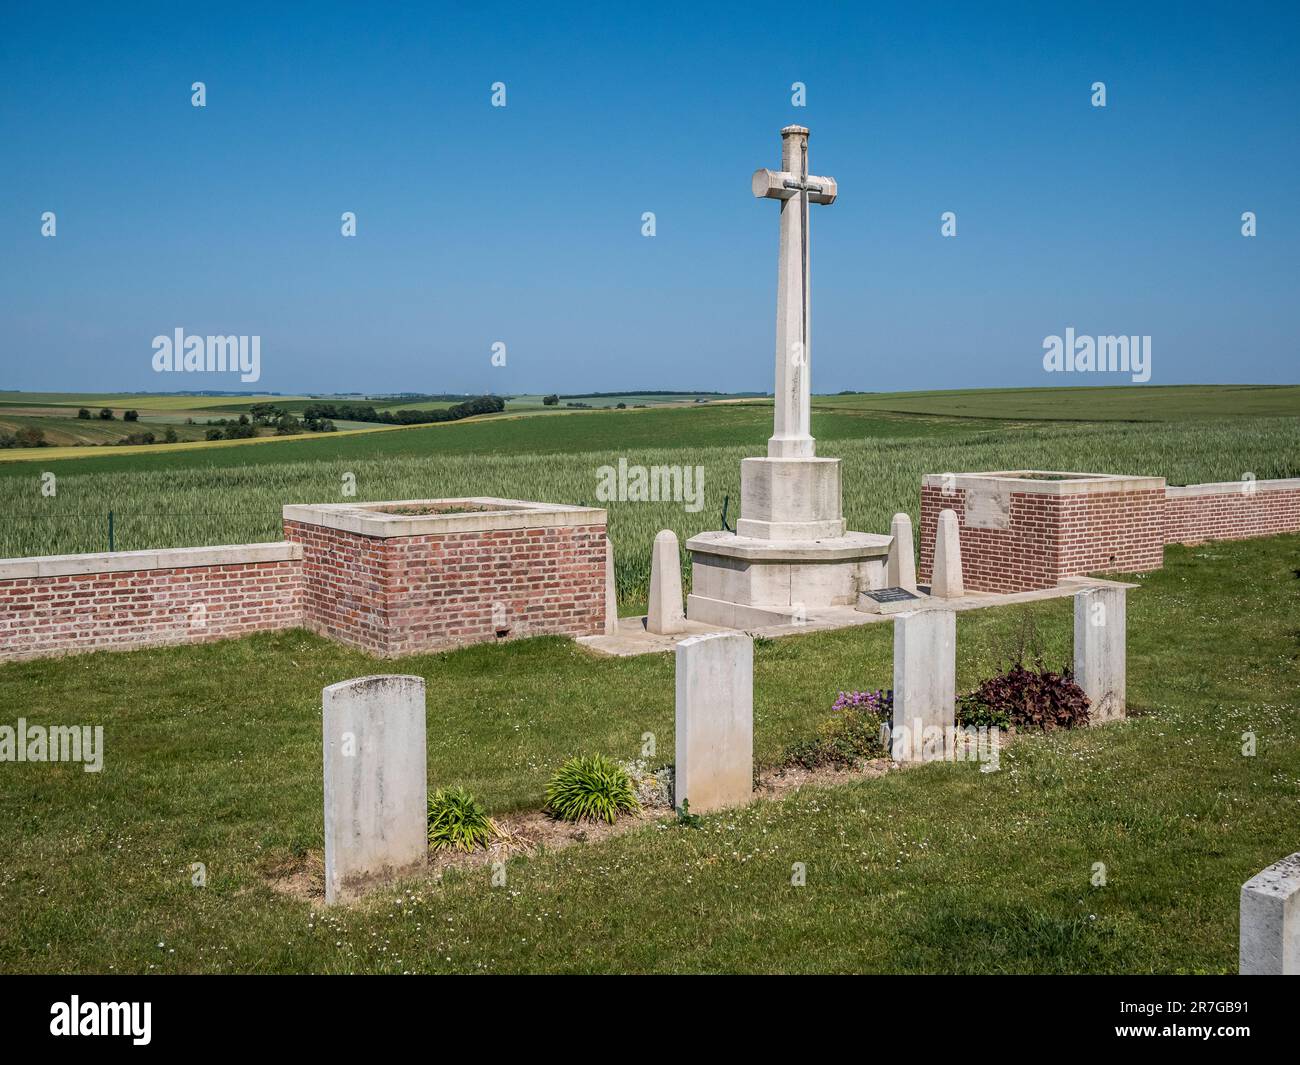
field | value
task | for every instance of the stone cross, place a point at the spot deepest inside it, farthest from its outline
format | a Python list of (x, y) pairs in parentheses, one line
[(796, 189)]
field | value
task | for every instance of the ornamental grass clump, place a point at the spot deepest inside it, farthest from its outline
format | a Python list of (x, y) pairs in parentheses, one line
[(592, 788), (457, 822)]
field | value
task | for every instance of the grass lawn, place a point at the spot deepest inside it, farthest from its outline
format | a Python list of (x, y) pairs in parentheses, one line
[(213, 755)]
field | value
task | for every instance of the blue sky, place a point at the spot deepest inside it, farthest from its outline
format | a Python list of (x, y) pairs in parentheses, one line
[(522, 224)]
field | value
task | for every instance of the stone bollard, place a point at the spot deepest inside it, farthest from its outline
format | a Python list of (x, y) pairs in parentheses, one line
[(1100, 652), (715, 721), (925, 684), (665, 615), (946, 580), (900, 568), (1270, 921), (376, 797)]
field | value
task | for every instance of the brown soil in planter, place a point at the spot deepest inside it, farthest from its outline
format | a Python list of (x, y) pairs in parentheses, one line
[(437, 508)]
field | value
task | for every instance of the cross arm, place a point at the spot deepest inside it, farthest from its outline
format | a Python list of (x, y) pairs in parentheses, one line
[(782, 185)]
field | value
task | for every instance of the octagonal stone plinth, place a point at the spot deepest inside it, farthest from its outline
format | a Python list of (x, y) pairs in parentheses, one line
[(739, 581)]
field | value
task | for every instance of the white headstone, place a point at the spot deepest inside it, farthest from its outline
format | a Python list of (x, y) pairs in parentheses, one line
[(900, 567), (376, 797), (611, 591), (715, 721), (666, 613), (925, 684), (1100, 652), (945, 580), (1270, 921)]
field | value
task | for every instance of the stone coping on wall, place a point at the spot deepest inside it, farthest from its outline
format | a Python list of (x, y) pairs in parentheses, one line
[(1242, 488), (168, 558), (379, 520), (1044, 482)]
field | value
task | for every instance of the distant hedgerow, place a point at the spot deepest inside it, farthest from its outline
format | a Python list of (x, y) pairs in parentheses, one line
[(591, 787)]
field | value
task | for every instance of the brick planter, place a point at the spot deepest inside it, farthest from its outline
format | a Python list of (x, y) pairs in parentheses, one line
[(1027, 529), (420, 575)]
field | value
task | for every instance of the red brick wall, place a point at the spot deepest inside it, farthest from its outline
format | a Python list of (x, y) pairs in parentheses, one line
[(1193, 516), (1111, 532), (1050, 537), (42, 616), (400, 595), (1017, 559), (1055, 536), (344, 585)]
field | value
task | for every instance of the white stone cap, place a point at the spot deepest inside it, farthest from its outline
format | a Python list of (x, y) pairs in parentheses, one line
[(374, 680), (371, 519), (1046, 482), (1244, 487), (792, 461), (1084, 583), (704, 637), (167, 558), (836, 548), (1280, 880)]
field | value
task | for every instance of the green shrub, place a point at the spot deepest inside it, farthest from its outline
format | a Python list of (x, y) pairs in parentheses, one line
[(972, 713), (457, 821), (592, 788), (850, 736)]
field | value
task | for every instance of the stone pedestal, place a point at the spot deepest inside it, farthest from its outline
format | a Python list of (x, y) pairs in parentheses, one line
[(742, 581), (790, 499), (790, 555)]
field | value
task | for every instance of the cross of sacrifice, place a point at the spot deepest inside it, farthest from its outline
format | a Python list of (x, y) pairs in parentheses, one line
[(795, 188)]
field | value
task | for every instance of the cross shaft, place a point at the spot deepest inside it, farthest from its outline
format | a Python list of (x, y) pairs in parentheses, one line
[(795, 188)]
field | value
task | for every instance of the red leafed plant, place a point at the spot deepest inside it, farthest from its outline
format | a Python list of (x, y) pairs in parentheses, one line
[(1031, 699)]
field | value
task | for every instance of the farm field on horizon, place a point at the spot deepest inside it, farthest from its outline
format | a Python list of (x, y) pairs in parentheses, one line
[(213, 494)]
